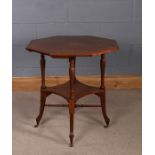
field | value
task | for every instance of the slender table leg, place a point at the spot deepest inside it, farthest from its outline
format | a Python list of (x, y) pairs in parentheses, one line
[(42, 93), (72, 101), (103, 94)]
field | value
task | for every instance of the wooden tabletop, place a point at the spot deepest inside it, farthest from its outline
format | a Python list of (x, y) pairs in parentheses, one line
[(72, 46)]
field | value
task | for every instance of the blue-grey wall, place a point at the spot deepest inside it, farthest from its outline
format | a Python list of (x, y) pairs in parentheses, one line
[(117, 19)]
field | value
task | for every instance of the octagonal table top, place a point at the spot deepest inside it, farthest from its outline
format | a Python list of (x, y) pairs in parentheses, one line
[(72, 46)]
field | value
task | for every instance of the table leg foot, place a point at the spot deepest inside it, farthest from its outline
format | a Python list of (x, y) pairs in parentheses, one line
[(107, 120), (37, 122), (71, 136), (42, 105), (103, 107), (36, 125)]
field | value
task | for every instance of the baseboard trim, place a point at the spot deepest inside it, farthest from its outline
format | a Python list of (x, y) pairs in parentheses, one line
[(111, 82)]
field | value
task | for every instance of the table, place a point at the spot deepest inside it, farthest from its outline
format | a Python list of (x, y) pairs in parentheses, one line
[(71, 47)]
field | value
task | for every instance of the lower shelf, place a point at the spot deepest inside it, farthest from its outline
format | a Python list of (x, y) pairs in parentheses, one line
[(80, 90)]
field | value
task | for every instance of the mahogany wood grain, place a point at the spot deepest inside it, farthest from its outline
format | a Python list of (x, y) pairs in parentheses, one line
[(64, 90), (71, 47)]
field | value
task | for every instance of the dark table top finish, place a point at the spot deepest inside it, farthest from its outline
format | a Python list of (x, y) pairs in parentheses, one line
[(72, 46)]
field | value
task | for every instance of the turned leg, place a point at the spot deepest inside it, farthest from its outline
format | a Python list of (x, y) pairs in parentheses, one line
[(103, 94), (71, 101), (42, 93)]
